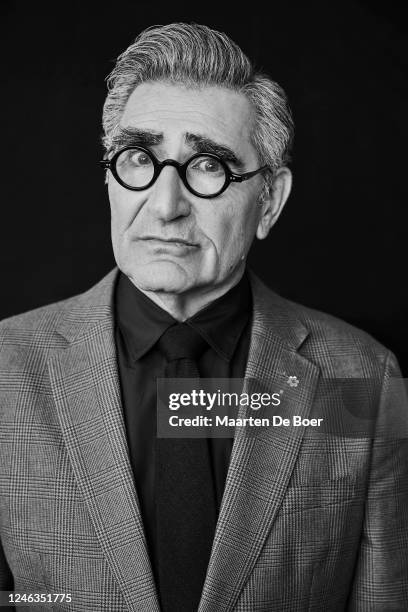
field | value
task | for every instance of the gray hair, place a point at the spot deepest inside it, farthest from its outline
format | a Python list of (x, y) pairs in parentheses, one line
[(195, 56)]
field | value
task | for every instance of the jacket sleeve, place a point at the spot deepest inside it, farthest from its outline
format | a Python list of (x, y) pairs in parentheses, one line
[(381, 572)]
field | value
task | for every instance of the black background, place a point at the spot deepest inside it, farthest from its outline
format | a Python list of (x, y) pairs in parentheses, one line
[(340, 245)]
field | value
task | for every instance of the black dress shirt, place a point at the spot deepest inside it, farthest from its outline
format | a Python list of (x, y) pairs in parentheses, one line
[(224, 324)]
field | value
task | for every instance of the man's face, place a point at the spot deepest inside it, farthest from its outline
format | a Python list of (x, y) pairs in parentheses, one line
[(215, 234)]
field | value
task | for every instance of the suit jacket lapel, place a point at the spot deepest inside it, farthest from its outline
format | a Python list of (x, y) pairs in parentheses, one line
[(85, 384), (261, 464)]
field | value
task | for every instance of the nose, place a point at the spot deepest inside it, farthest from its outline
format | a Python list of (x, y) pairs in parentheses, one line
[(168, 198)]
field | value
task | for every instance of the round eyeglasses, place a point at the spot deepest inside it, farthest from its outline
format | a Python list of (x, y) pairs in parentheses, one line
[(205, 175)]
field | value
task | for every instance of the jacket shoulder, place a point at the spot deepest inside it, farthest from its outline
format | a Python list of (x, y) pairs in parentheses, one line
[(34, 330), (325, 325), (338, 348), (78, 311), (342, 348), (43, 318)]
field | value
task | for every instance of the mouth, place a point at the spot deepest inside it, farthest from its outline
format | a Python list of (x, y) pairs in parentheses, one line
[(173, 241)]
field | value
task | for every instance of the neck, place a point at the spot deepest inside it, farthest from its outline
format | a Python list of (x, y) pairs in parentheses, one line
[(186, 305)]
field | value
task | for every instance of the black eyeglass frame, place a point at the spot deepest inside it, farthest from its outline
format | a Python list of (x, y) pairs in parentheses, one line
[(230, 177)]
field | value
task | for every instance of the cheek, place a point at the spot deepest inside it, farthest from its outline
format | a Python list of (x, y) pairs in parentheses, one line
[(124, 207), (115, 203), (231, 228)]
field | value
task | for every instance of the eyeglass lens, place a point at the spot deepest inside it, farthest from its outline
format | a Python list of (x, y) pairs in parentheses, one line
[(204, 174)]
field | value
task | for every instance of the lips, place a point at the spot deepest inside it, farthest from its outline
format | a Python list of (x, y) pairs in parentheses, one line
[(173, 240)]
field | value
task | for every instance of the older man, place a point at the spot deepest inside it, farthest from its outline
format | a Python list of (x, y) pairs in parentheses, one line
[(96, 511)]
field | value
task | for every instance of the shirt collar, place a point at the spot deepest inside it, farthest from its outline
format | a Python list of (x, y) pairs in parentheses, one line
[(142, 322)]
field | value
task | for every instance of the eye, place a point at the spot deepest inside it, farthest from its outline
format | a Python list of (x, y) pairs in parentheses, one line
[(138, 158), (208, 165)]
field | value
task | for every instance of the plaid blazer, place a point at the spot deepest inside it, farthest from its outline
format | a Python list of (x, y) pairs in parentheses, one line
[(307, 522)]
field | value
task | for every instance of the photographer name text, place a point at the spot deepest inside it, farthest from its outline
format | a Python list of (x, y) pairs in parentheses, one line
[(225, 421)]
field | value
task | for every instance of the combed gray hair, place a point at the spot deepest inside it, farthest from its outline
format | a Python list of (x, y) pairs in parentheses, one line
[(196, 56)]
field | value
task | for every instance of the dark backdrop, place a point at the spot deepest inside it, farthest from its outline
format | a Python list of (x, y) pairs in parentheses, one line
[(340, 244)]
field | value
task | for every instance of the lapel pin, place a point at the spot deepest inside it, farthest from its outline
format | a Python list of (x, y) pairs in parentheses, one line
[(292, 381)]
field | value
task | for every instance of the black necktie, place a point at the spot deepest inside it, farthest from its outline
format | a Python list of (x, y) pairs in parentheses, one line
[(184, 489)]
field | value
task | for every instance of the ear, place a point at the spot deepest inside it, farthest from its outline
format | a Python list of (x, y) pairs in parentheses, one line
[(273, 202)]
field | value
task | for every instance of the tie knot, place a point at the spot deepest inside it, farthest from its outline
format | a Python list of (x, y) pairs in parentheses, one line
[(181, 341)]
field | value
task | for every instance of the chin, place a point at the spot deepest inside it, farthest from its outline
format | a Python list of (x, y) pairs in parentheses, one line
[(162, 277)]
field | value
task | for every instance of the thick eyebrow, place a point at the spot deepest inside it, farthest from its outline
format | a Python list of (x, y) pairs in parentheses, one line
[(133, 136), (202, 144), (129, 136)]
